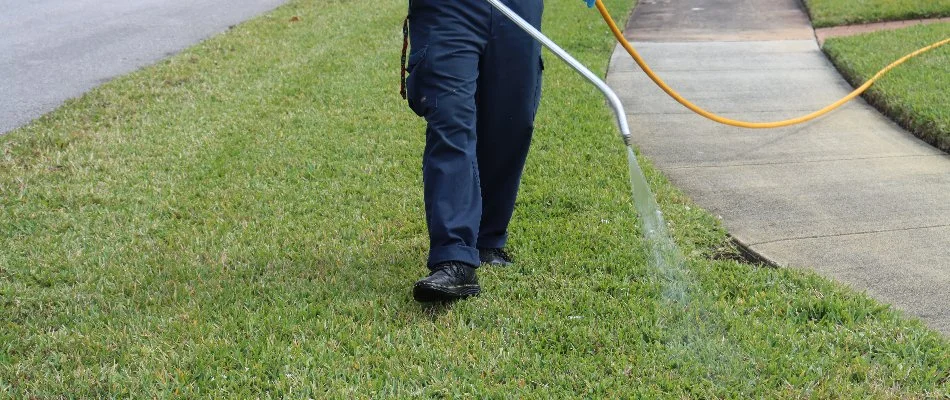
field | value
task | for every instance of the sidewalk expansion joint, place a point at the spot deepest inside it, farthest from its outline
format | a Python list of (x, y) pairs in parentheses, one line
[(637, 71), (913, 228), (689, 112), (688, 167)]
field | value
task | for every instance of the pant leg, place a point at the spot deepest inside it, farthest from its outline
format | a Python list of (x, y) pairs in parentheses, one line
[(509, 89), (448, 38)]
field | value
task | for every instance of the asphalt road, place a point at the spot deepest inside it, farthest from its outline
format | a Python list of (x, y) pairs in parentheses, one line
[(53, 50)]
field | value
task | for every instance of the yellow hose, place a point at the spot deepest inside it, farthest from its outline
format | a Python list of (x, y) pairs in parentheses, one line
[(743, 124)]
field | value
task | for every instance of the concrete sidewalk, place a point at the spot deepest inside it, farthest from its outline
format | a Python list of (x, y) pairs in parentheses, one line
[(851, 195)]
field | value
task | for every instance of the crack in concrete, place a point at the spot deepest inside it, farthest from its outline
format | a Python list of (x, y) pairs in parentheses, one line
[(871, 232)]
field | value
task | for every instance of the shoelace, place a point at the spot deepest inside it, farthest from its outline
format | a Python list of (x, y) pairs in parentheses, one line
[(448, 265), (499, 252)]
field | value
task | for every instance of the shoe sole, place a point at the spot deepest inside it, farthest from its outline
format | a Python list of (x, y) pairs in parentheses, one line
[(428, 293)]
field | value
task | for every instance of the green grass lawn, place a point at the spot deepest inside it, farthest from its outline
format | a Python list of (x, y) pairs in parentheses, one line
[(916, 94), (244, 220), (826, 13)]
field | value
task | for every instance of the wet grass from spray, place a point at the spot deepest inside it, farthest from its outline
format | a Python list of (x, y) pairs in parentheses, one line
[(826, 13), (244, 220), (914, 94)]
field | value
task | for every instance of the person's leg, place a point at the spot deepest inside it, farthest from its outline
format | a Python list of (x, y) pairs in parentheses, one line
[(448, 38), (509, 89)]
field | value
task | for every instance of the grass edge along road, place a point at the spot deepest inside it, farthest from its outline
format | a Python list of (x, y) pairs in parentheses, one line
[(914, 94), (825, 13), (244, 220)]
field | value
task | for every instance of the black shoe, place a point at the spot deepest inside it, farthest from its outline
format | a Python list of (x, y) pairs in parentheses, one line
[(494, 256), (448, 281)]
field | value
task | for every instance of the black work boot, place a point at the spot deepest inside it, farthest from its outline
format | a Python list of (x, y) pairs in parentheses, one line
[(448, 281), (494, 256)]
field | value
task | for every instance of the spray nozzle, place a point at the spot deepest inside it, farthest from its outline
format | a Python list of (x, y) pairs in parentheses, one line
[(590, 3)]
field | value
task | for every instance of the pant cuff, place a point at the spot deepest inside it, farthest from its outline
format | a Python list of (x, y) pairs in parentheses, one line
[(492, 242), (463, 254)]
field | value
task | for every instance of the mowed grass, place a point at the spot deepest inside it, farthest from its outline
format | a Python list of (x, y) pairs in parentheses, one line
[(244, 220), (916, 94), (826, 13)]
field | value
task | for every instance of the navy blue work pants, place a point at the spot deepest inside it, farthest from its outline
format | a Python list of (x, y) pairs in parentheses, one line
[(476, 78)]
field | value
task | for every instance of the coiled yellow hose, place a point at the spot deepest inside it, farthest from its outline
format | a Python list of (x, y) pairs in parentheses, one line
[(744, 124)]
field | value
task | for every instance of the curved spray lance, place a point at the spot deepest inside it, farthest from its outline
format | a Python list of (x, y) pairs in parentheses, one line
[(665, 255)]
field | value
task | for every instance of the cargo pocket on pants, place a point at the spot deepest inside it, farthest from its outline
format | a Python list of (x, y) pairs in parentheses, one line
[(420, 99)]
